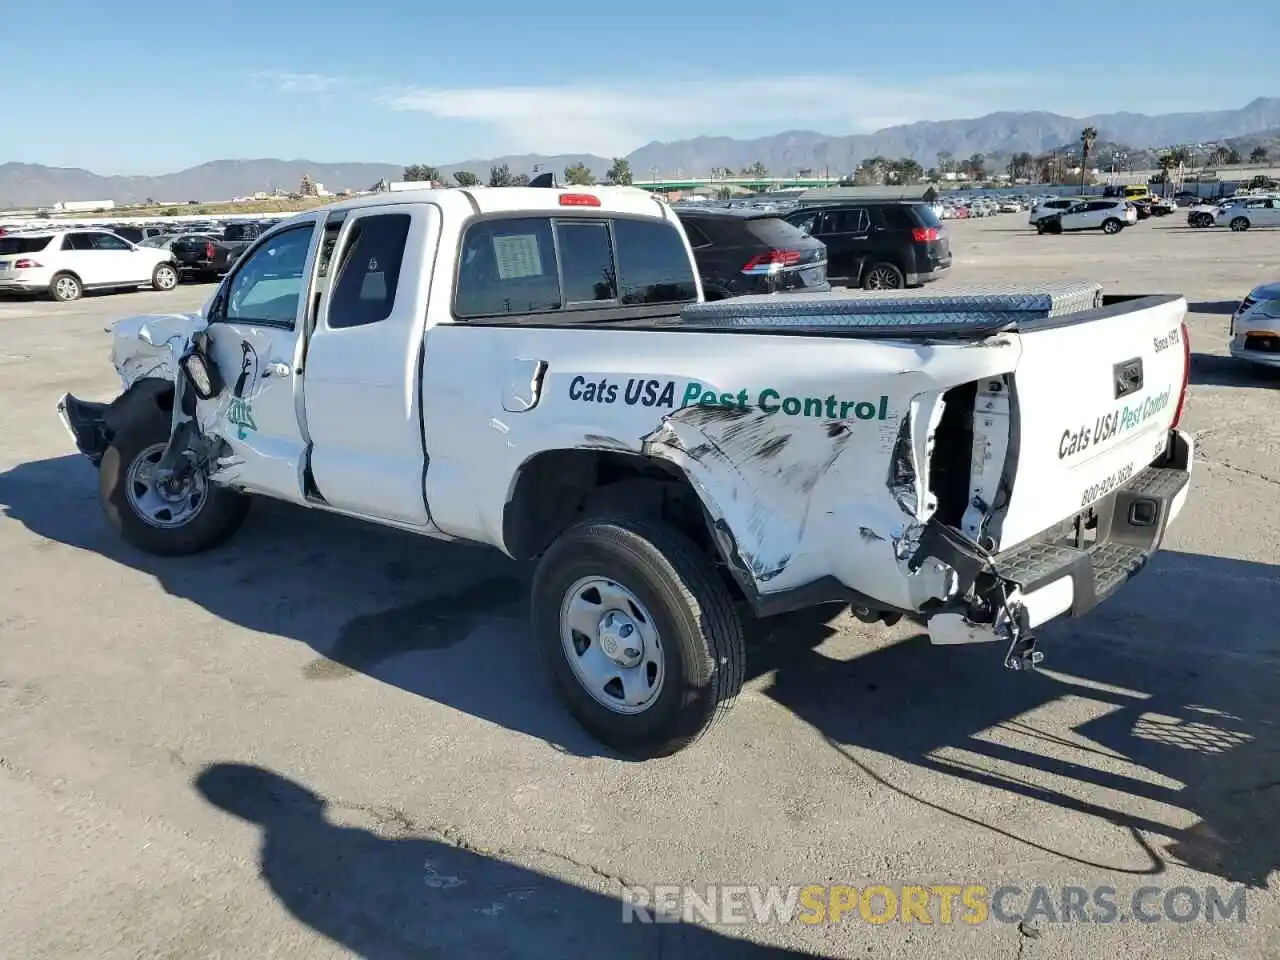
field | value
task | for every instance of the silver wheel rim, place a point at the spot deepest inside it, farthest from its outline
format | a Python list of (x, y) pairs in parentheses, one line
[(155, 504), (882, 278), (1238, 225), (165, 278), (65, 288), (1110, 227), (612, 645)]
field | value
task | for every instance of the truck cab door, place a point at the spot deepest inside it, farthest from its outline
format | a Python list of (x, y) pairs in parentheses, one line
[(257, 324), (363, 391)]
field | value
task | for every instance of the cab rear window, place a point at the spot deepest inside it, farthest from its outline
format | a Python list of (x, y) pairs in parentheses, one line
[(12, 245), (515, 266)]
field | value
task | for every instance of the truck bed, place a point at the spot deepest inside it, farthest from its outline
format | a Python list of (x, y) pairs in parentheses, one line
[(962, 312)]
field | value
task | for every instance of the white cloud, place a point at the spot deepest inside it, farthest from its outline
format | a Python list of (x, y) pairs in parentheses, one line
[(287, 82), (613, 120)]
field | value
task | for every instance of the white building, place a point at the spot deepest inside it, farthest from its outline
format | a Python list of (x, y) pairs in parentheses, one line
[(83, 206)]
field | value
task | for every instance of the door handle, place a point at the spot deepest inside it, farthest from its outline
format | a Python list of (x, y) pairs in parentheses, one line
[(276, 368)]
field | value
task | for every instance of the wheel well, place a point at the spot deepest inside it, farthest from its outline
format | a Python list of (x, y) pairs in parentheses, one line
[(68, 273), (149, 392), (560, 487)]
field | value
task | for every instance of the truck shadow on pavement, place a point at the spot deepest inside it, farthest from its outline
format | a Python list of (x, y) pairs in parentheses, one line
[(1163, 720), (1156, 714), (1208, 369), (392, 892)]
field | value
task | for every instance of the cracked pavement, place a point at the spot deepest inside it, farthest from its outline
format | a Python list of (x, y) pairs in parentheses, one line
[(328, 740)]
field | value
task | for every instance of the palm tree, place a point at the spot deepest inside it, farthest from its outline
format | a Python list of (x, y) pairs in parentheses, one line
[(1088, 137)]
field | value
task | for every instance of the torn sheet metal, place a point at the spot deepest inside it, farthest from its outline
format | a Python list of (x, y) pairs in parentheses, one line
[(758, 475), (151, 345)]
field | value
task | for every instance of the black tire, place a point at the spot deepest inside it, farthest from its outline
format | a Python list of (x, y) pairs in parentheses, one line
[(1041, 227), (1112, 226), (1240, 224), (65, 287), (883, 276), (165, 277), (701, 637), (220, 515)]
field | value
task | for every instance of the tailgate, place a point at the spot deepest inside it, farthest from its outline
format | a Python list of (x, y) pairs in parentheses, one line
[(1095, 399)]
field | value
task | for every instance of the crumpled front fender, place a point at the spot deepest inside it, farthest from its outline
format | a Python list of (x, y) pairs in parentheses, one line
[(151, 345)]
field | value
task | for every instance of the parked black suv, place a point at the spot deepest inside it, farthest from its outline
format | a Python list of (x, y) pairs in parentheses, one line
[(741, 251), (882, 245)]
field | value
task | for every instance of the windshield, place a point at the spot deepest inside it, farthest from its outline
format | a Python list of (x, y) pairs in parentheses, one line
[(10, 245)]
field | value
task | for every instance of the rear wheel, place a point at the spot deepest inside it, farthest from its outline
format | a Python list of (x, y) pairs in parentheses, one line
[(1240, 224), (883, 276), (156, 516), (1112, 226), (164, 277), (642, 636), (65, 287)]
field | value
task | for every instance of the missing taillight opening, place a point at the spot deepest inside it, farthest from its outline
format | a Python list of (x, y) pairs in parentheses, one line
[(1186, 377)]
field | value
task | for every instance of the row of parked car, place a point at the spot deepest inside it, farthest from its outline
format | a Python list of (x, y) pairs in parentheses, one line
[(1237, 213), (739, 248), (874, 245), (64, 262)]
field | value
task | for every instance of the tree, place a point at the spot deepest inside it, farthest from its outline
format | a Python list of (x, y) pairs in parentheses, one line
[(520, 180), (421, 172), (757, 171), (931, 174), (1258, 154), (500, 176), (578, 175), (975, 167), (944, 161), (1231, 157), (804, 173), (1088, 137), (1021, 166), (905, 170), (466, 178), (620, 172)]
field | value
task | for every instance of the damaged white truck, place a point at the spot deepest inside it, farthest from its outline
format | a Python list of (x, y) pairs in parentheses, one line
[(534, 369)]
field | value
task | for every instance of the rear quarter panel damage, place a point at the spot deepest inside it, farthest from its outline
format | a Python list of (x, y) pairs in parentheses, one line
[(787, 440)]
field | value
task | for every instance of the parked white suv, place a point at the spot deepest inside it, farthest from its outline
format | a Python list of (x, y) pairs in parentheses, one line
[(1109, 216), (65, 263), (1253, 212), (1050, 208)]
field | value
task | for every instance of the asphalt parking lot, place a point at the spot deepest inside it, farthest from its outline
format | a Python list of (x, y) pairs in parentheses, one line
[(327, 739)]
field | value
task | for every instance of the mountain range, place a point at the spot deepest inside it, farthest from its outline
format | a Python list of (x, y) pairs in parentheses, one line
[(993, 135)]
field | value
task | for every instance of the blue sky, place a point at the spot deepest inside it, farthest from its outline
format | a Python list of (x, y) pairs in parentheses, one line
[(142, 86)]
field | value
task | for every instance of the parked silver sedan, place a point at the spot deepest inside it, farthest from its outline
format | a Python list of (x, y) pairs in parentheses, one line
[(1255, 326)]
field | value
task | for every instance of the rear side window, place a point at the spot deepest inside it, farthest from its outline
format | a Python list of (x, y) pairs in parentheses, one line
[(77, 241), (11, 245), (773, 231), (697, 238), (370, 271), (846, 221), (924, 215), (507, 266), (653, 265)]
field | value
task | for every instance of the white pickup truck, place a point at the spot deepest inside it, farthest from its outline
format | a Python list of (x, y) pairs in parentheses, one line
[(534, 369)]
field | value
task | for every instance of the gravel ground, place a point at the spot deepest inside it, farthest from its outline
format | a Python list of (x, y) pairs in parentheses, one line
[(327, 739)]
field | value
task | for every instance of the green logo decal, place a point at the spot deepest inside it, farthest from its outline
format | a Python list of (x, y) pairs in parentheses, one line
[(240, 413)]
